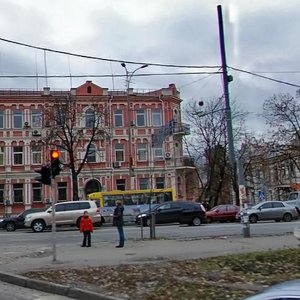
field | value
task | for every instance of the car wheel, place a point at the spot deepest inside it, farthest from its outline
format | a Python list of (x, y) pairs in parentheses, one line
[(38, 226), (253, 218), (196, 221), (287, 217), (10, 226), (209, 220)]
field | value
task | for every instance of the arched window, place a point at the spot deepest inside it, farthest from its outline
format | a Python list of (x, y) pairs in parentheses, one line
[(89, 89), (92, 154), (89, 118), (93, 186)]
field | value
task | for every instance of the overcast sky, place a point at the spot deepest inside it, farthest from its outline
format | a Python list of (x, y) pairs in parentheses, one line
[(261, 36)]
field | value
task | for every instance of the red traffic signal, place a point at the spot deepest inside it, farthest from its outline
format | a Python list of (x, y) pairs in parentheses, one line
[(55, 154), (55, 163)]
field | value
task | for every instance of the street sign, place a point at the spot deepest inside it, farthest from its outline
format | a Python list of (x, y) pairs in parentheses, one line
[(261, 195)]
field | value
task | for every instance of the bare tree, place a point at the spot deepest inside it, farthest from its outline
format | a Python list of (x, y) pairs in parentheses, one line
[(282, 113), (75, 127), (208, 146)]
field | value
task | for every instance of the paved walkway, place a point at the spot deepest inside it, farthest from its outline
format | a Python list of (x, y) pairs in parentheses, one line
[(23, 260), (138, 252)]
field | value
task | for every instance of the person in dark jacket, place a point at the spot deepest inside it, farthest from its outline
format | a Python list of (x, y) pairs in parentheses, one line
[(118, 222), (86, 227)]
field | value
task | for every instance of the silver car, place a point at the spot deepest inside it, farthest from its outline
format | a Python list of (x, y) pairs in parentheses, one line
[(272, 210), (287, 290)]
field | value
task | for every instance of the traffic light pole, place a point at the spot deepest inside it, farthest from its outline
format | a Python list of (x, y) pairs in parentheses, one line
[(53, 223)]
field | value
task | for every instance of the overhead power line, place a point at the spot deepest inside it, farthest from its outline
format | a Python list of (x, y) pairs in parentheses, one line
[(107, 75), (107, 59), (265, 77)]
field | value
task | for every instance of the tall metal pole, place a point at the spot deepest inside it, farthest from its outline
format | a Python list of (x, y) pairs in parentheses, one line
[(130, 158), (53, 221), (226, 79)]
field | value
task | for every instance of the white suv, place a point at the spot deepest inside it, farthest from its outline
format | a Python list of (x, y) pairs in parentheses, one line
[(66, 213)]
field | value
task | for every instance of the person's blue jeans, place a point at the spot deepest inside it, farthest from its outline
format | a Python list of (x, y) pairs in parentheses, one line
[(121, 235)]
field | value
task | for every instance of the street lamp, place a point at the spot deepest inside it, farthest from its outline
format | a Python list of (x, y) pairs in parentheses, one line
[(130, 159)]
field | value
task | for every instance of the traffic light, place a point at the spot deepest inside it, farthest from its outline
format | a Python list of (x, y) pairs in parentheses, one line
[(45, 177), (55, 163)]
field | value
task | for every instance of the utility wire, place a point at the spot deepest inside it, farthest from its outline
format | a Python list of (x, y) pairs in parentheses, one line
[(106, 59), (107, 75), (265, 77)]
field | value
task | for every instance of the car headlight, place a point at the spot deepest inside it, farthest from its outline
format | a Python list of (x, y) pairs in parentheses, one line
[(28, 218), (141, 216)]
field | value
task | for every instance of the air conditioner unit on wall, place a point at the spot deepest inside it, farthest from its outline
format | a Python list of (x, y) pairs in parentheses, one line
[(168, 155), (117, 164), (36, 132)]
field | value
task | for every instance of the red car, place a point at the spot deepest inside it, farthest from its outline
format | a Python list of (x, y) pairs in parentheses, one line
[(222, 213)]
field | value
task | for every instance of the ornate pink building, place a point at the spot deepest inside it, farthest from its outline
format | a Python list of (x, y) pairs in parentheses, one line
[(155, 154)]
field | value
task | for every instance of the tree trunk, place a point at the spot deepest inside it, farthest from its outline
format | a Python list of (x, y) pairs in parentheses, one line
[(75, 186)]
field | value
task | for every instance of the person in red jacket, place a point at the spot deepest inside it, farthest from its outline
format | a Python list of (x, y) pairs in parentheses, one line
[(86, 227)]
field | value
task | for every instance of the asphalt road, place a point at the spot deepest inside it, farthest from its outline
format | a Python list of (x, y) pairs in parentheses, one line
[(72, 236)]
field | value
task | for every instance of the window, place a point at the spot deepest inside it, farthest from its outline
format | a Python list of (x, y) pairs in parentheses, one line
[(1, 155), (158, 153), (266, 205), (90, 118), (1, 193), (62, 191), (1, 118), (118, 118), (160, 182), (277, 205), (36, 154), (142, 152), (61, 115), (156, 117), (140, 118), (144, 183), (120, 184), (18, 155), (119, 152), (18, 119), (165, 206), (37, 192), (59, 207), (92, 154), (36, 118), (84, 205), (63, 155), (18, 192)]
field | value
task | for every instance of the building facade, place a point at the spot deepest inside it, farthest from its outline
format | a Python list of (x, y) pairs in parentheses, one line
[(142, 146)]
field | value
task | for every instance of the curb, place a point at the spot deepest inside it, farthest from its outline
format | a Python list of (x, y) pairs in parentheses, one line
[(53, 288)]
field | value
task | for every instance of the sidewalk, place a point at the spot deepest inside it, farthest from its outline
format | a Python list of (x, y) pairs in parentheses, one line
[(139, 252), (134, 252)]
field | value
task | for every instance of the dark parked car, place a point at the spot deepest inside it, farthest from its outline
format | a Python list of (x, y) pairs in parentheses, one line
[(16, 222), (183, 212), (222, 213)]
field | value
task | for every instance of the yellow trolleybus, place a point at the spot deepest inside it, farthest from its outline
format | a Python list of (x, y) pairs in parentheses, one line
[(134, 201)]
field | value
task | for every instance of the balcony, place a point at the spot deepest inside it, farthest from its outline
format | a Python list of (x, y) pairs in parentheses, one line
[(182, 128)]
